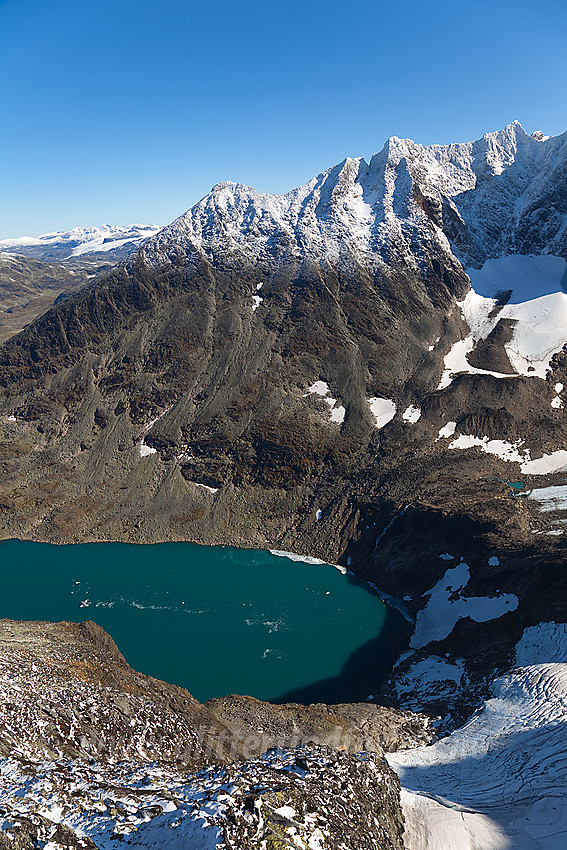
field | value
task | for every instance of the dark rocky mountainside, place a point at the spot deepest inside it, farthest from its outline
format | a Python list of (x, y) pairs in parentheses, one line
[(291, 372)]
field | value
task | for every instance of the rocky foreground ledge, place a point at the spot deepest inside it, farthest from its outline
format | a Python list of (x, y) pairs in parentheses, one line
[(93, 753)]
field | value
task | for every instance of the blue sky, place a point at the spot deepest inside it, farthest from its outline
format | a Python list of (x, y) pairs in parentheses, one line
[(126, 111)]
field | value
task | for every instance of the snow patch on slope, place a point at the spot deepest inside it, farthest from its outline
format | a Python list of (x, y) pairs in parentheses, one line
[(383, 410), (527, 277), (447, 605), (336, 411), (550, 498), (539, 331), (501, 448), (428, 680), (411, 414)]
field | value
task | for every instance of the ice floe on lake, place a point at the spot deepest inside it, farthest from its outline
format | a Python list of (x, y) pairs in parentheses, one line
[(307, 559)]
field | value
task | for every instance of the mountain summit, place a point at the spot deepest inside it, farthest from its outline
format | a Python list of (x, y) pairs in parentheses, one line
[(505, 193)]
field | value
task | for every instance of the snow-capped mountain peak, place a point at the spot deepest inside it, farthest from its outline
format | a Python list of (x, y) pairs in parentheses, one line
[(504, 193)]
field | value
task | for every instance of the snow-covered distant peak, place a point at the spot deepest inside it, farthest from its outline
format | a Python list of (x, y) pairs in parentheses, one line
[(65, 244)]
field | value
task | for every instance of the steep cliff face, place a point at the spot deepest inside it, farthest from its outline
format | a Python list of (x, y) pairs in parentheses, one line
[(311, 372)]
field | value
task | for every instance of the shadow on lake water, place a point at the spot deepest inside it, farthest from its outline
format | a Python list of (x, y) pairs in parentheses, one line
[(364, 671)]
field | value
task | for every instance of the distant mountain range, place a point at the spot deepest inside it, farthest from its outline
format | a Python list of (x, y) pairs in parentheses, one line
[(109, 243)]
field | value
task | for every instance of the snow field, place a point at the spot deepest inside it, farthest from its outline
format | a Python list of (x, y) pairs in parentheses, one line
[(539, 329), (447, 605), (500, 781)]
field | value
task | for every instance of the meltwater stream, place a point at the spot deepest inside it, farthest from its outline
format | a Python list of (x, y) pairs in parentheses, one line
[(215, 620)]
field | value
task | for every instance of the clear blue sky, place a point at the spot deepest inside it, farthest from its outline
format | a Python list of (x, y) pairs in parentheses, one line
[(126, 111)]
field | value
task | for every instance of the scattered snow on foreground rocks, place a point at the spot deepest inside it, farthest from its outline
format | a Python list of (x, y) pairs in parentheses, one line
[(501, 780), (329, 798), (383, 409), (447, 605)]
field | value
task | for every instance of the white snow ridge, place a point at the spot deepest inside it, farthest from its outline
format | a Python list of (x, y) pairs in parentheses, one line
[(81, 240)]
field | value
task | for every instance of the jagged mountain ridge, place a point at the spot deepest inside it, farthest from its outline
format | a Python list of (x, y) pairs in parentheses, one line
[(489, 197)]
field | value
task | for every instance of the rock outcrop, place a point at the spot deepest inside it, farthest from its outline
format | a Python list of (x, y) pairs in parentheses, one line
[(91, 752)]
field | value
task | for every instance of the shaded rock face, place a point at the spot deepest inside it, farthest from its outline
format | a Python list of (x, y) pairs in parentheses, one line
[(170, 399), (92, 751), (352, 727)]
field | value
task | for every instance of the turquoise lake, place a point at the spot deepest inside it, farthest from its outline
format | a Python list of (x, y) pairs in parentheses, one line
[(215, 620)]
